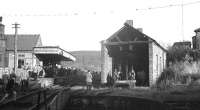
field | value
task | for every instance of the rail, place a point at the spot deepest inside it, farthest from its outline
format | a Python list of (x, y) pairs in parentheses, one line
[(113, 103), (35, 100), (55, 101)]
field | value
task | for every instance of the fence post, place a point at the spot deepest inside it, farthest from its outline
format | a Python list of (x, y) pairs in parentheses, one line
[(38, 100), (57, 102), (45, 99)]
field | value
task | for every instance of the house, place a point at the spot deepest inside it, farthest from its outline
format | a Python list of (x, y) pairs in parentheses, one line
[(130, 49), (30, 51), (185, 44), (25, 44)]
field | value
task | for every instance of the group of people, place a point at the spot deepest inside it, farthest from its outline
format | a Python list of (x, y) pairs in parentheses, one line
[(8, 84), (12, 82), (118, 75)]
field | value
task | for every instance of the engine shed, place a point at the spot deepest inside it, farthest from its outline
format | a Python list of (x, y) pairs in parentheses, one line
[(130, 49)]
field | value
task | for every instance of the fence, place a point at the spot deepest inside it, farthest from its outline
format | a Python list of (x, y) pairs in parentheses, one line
[(59, 101)]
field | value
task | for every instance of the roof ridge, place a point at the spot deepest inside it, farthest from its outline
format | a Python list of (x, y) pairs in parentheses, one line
[(27, 35)]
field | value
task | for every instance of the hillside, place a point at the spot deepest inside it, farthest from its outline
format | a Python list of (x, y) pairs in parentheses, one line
[(86, 60)]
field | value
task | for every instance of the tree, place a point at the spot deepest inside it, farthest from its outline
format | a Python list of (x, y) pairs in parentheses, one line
[(180, 53)]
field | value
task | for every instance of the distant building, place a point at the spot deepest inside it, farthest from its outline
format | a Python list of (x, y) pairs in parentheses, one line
[(186, 44), (129, 48), (25, 44), (196, 39), (30, 51)]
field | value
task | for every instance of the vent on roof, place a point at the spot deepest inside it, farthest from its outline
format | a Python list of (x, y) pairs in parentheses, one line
[(140, 29)]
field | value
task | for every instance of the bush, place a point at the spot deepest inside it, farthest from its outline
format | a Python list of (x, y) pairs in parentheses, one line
[(178, 72), (177, 54), (166, 79), (167, 74)]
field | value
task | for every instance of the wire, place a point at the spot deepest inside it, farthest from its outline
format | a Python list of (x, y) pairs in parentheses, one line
[(173, 5), (168, 6), (55, 14)]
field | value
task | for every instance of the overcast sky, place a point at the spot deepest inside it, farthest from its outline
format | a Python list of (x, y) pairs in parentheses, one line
[(82, 24)]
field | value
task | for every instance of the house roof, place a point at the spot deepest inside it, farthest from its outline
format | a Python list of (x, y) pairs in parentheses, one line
[(128, 30), (197, 30), (25, 42)]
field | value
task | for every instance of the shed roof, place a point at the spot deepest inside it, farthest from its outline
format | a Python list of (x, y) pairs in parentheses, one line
[(53, 53), (128, 30)]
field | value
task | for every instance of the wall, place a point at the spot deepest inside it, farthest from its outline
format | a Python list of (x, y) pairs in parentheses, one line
[(196, 41), (2, 50), (157, 62), (106, 63), (28, 57)]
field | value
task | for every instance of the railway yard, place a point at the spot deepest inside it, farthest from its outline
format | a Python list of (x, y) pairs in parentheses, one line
[(76, 98)]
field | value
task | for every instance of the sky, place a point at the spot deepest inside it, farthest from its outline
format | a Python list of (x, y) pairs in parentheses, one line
[(81, 24)]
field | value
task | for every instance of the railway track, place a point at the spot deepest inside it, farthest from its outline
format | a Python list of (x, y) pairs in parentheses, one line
[(183, 105), (32, 101), (104, 101), (90, 100)]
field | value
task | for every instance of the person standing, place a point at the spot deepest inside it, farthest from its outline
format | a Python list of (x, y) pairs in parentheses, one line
[(133, 77), (5, 78), (132, 74), (24, 79), (10, 87), (89, 80)]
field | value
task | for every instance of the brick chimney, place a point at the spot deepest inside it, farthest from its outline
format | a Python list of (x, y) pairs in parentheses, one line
[(129, 22), (2, 27)]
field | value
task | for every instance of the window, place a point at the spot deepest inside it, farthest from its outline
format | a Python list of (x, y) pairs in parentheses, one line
[(21, 55), (156, 66), (163, 60), (120, 48), (1, 60), (157, 63), (20, 63), (160, 65), (2, 43), (1, 55), (130, 47)]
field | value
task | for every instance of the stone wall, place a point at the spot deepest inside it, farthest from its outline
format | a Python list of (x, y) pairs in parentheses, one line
[(157, 62), (106, 63), (2, 51), (150, 64)]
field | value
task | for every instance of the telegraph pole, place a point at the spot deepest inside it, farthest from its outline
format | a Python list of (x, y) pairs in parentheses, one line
[(16, 26), (182, 23)]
